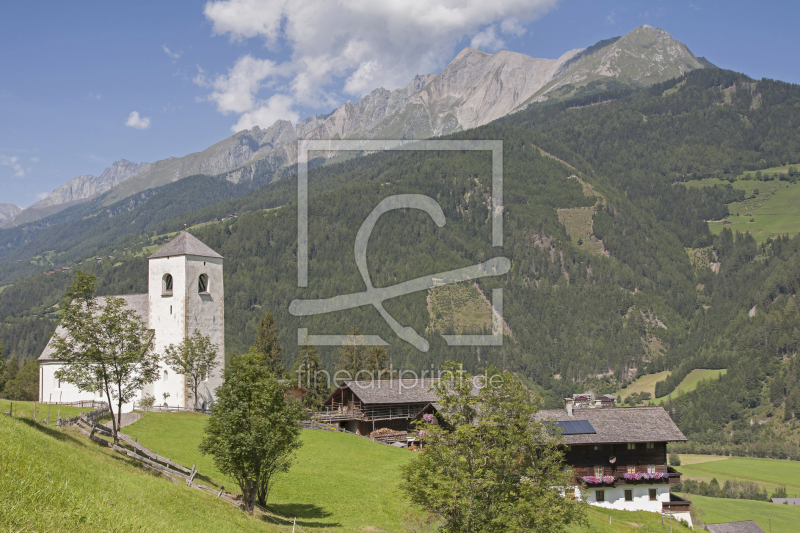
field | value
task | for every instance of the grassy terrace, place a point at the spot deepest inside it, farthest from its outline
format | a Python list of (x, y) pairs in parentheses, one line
[(784, 517), (769, 473), (24, 410), (647, 383)]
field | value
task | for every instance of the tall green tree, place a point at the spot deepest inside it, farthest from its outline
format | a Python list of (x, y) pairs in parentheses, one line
[(377, 362), (195, 358), (487, 465), (352, 355), (253, 430), (268, 345), (105, 347), (24, 384), (310, 375)]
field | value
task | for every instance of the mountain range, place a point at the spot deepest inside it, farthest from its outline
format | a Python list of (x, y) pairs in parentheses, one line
[(474, 89)]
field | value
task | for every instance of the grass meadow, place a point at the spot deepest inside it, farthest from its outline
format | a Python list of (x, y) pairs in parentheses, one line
[(60, 481), (341, 482), (24, 410), (691, 381), (769, 473), (784, 518), (647, 383), (773, 211)]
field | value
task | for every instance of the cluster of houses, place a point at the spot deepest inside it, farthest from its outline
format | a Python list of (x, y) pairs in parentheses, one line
[(619, 455)]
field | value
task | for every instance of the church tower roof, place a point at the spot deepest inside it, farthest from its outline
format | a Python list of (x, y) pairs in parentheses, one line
[(185, 244)]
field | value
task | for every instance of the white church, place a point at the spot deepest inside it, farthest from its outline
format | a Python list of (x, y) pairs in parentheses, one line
[(185, 293)]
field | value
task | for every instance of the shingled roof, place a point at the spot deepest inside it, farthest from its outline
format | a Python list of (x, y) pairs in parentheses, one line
[(746, 526), (619, 424), (185, 244), (138, 303), (387, 391)]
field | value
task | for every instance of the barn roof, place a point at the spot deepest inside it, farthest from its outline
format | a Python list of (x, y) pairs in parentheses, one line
[(386, 391), (138, 303), (618, 424), (746, 526), (185, 244)]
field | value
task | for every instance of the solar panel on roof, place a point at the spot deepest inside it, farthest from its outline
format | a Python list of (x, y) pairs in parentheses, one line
[(575, 427)]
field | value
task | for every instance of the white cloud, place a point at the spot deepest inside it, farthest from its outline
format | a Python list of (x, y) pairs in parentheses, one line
[(611, 19), (41, 195), (170, 53), (275, 108), (35, 159), (694, 6), (487, 40), (135, 121), (350, 46), (13, 162)]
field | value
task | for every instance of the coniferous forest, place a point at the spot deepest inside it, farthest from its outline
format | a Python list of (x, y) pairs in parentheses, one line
[(639, 284)]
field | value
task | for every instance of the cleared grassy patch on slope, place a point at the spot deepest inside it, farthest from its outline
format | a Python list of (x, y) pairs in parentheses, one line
[(53, 480), (339, 481), (774, 210), (691, 381), (784, 517), (769, 473), (646, 383)]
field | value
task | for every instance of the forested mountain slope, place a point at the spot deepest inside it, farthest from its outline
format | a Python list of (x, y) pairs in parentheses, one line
[(601, 288)]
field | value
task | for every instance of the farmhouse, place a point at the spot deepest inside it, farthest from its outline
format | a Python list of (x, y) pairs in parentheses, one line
[(185, 293), (619, 456), (367, 406)]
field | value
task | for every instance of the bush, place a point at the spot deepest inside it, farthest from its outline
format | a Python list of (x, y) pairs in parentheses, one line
[(674, 459)]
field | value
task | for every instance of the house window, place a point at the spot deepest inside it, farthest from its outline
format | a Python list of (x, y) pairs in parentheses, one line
[(166, 285), (570, 494), (598, 471), (651, 445), (567, 448), (631, 445), (651, 469), (631, 469), (628, 495), (599, 495), (653, 495), (202, 284)]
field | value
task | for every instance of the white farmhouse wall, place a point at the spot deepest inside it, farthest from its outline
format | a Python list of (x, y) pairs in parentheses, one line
[(614, 498)]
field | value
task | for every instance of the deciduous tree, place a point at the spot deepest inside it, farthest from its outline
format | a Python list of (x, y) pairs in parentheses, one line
[(195, 358), (105, 346), (253, 430), (487, 465)]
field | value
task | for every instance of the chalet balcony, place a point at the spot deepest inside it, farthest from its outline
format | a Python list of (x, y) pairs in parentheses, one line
[(674, 475), (676, 504), (356, 411), (620, 479)]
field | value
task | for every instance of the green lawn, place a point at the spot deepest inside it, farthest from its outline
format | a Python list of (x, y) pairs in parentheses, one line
[(339, 481), (769, 473), (691, 381), (775, 210), (785, 518), (626, 522), (59, 481), (25, 410)]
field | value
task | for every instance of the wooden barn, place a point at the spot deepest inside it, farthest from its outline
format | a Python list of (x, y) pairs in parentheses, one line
[(366, 407)]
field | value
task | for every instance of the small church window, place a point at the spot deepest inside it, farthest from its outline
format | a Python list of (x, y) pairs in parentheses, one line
[(202, 283), (165, 375), (166, 285)]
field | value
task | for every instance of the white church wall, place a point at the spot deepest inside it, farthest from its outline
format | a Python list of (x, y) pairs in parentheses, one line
[(167, 317), (205, 312), (53, 390)]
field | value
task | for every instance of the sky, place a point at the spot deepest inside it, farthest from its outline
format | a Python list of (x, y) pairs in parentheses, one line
[(84, 84)]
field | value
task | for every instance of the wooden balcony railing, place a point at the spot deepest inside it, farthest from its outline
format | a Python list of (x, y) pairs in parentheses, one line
[(676, 504)]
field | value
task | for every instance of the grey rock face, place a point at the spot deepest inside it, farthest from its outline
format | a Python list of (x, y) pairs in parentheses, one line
[(88, 186), (8, 211)]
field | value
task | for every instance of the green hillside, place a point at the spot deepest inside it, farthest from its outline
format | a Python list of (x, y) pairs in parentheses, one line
[(691, 381), (61, 481), (339, 481), (784, 518)]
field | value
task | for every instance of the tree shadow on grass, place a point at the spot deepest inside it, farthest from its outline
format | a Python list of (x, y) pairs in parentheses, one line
[(51, 431), (307, 514)]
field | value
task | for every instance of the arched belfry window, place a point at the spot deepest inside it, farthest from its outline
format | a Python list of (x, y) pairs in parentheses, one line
[(202, 284), (166, 285)]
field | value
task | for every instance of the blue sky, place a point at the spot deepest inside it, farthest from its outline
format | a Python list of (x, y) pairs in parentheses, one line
[(74, 73)]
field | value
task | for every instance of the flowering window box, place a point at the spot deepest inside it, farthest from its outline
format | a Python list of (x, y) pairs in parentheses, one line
[(599, 480), (655, 476)]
